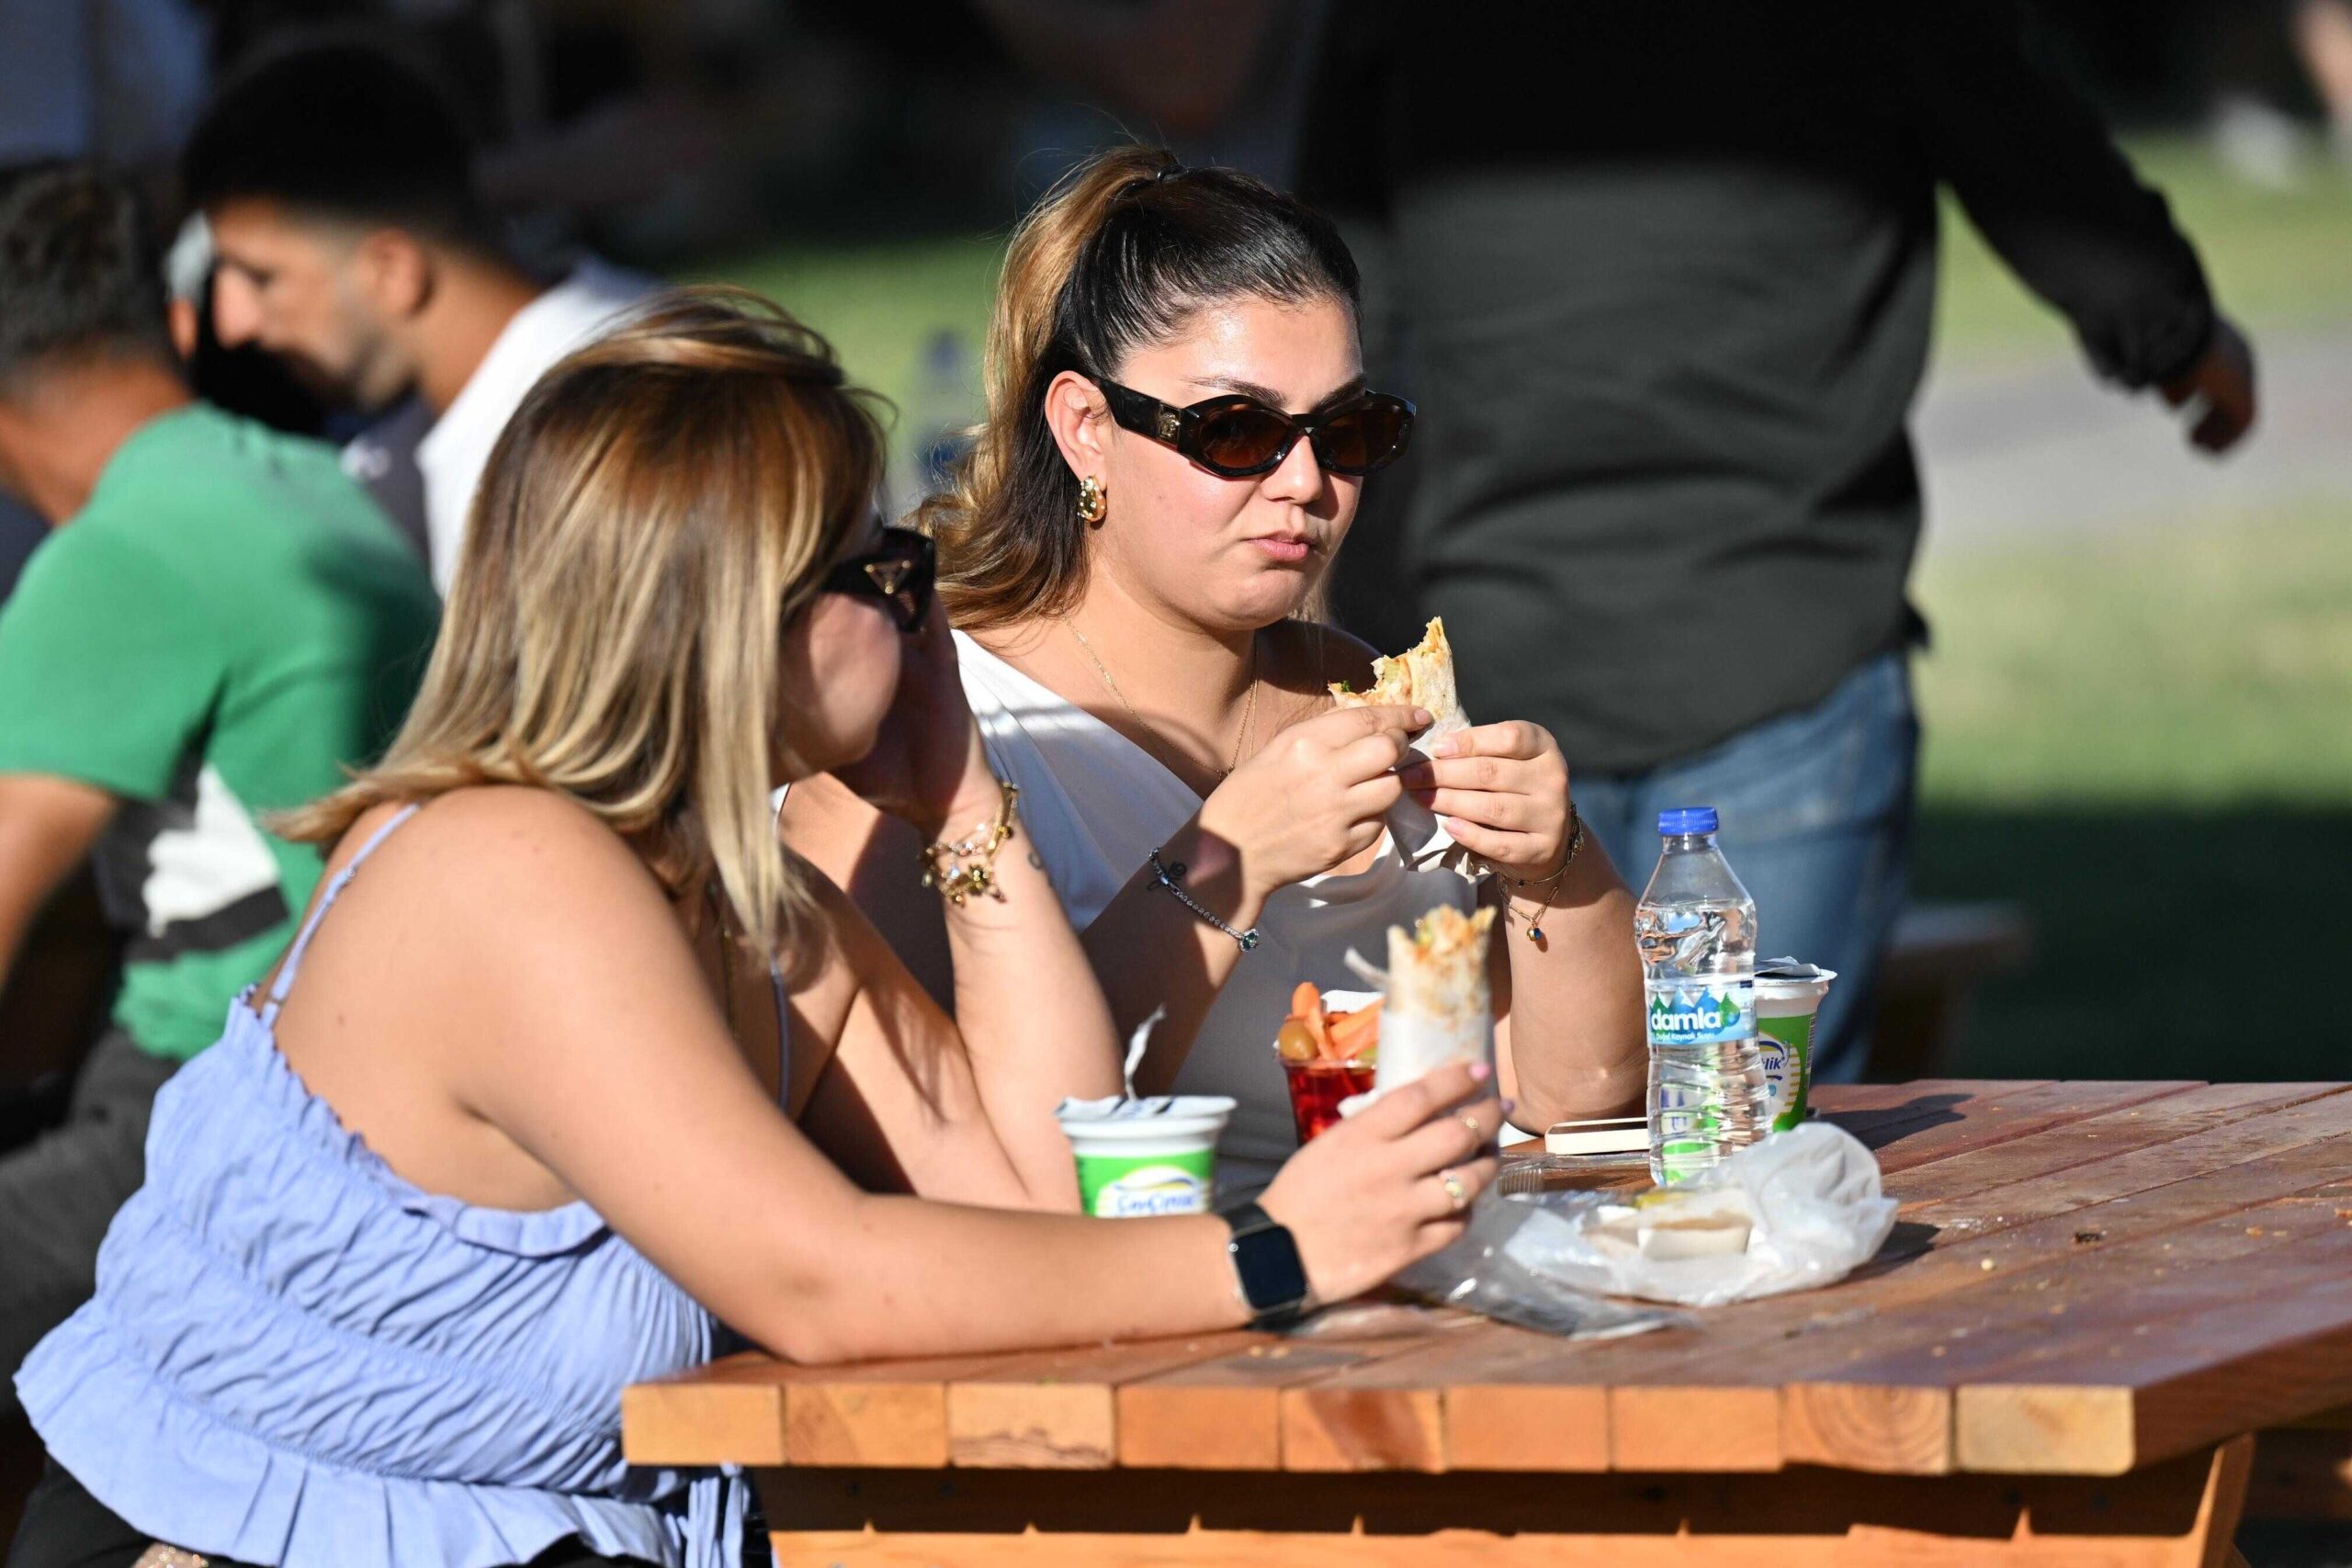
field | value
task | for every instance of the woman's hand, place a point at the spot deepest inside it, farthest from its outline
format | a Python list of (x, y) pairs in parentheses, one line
[(927, 765), (1502, 790), (1370, 1196), (1315, 797)]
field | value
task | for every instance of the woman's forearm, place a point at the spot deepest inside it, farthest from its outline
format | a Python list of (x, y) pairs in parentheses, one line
[(1031, 1017), (1155, 955), (1570, 1042), (935, 1278)]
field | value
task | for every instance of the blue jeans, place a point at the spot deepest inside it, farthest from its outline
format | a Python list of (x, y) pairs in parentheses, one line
[(1816, 819)]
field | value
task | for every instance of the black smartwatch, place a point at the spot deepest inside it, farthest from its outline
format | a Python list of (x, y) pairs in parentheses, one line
[(1265, 1261)]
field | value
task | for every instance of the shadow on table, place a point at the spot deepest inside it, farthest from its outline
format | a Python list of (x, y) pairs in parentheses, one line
[(1909, 1239), (1889, 1123)]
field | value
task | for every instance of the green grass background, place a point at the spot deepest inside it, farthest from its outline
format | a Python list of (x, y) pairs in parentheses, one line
[(2143, 737)]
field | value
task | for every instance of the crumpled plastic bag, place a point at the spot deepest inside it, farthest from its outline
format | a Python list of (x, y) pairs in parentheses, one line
[(1483, 1273), (1799, 1210)]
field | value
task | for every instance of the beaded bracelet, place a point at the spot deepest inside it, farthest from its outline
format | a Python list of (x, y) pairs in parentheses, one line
[(967, 868), (1169, 881)]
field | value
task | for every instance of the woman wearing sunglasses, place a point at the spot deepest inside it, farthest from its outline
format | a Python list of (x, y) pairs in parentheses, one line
[(1177, 434), (572, 1063)]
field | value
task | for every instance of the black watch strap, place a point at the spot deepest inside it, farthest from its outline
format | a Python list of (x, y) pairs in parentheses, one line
[(1271, 1278)]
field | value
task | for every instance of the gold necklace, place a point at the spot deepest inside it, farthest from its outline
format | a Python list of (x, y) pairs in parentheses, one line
[(1248, 708)]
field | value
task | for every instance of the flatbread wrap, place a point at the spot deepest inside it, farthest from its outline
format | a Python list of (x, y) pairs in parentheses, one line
[(1421, 676), (1438, 1009)]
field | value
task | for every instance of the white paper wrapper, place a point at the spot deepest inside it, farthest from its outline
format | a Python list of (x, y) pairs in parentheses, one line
[(1424, 676), (1439, 1009)]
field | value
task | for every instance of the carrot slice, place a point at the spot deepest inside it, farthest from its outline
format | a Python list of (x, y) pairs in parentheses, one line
[(1305, 998), (1353, 1034)]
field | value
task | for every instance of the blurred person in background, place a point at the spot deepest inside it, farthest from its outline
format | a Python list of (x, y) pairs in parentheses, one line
[(1218, 81), (351, 239), (1662, 277), (2323, 33), (218, 625), (118, 81)]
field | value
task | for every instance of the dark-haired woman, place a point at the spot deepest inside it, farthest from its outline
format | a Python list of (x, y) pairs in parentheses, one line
[(1177, 434)]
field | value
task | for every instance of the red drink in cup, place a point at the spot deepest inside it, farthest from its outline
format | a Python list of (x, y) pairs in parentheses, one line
[(1327, 1055), (1315, 1090)]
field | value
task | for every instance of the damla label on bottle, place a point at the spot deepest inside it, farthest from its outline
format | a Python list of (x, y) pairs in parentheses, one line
[(1695, 1013)]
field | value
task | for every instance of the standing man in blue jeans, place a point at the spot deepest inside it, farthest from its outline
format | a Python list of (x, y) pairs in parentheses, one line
[(1661, 278)]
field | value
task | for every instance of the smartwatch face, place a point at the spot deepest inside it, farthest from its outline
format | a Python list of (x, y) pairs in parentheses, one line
[(1272, 1275)]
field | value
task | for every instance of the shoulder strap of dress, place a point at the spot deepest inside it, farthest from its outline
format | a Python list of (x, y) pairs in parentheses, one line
[(285, 981), (783, 1036)]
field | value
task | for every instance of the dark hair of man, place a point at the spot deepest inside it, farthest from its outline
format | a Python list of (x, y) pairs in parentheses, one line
[(348, 128), (79, 274)]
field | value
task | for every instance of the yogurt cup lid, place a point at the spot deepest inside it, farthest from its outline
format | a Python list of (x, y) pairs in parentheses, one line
[(1149, 1119)]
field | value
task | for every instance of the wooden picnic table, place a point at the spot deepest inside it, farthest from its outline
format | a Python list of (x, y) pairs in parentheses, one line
[(2095, 1293)]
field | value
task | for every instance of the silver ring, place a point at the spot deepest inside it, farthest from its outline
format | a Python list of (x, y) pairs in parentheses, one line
[(1454, 1194), (1472, 1122)]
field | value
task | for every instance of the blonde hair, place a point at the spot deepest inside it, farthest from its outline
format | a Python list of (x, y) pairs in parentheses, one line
[(658, 509), (1121, 253)]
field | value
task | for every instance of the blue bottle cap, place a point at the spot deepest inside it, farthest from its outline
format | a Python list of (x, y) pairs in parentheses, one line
[(1686, 819)]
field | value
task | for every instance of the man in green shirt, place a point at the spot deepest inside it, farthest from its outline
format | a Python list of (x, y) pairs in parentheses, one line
[(219, 623)]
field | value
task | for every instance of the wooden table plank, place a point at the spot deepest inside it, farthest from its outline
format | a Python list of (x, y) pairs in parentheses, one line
[(1059, 1411), (2212, 1155), (730, 1412), (1865, 1109), (2037, 1156), (2005, 1114), (1226, 1413), (2085, 1313)]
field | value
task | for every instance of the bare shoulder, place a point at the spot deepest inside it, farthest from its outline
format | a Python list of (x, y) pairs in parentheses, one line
[(1308, 656), (504, 830), (488, 871)]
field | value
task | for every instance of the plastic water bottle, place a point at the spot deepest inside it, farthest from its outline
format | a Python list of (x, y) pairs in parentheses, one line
[(1696, 930)]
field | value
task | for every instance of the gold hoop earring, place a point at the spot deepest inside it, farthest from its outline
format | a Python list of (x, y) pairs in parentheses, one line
[(1091, 507)]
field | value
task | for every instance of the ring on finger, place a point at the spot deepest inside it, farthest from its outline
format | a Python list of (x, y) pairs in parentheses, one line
[(1476, 1131), (1455, 1193)]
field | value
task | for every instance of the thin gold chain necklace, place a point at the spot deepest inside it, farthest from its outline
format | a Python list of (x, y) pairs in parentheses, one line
[(1248, 708)]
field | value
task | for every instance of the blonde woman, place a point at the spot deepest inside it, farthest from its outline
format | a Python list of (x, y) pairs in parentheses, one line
[(1177, 431), (570, 1063)]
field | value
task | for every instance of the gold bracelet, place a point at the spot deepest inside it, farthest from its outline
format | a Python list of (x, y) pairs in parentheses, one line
[(966, 869), (1551, 884)]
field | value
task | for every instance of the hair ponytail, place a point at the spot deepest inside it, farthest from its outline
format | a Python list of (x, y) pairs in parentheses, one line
[(1122, 253)]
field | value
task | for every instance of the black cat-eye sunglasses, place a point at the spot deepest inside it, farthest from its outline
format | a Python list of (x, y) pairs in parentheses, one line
[(1239, 437)]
